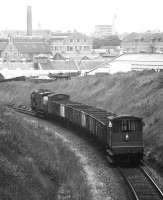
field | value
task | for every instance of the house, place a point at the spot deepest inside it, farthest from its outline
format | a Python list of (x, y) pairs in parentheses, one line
[(143, 43), (18, 48), (3, 44), (70, 43)]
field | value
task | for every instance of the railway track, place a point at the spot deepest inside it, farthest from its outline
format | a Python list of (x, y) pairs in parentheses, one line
[(23, 109), (137, 178), (141, 183)]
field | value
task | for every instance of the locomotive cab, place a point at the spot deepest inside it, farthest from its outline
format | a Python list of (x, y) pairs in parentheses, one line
[(39, 99), (126, 136)]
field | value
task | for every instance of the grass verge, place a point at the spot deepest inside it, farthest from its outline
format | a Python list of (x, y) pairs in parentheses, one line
[(35, 165)]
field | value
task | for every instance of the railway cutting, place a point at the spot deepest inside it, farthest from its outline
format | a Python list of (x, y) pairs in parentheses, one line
[(137, 178)]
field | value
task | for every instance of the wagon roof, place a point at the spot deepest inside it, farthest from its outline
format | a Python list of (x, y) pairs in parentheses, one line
[(44, 93), (126, 117), (58, 94)]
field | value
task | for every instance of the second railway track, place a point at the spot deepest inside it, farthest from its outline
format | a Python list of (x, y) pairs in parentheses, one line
[(141, 183)]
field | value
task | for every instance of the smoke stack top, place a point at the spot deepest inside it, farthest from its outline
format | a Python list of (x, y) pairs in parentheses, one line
[(29, 20)]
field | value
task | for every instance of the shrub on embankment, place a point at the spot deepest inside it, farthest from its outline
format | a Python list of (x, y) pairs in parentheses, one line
[(35, 165), (137, 93)]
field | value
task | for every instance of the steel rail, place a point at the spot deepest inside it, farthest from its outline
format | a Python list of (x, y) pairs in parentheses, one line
[(144, 170), (23, 110), (129, 184), (141, 183)]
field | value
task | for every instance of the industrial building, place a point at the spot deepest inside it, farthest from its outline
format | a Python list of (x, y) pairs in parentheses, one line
[(70, 43), (102, 31)]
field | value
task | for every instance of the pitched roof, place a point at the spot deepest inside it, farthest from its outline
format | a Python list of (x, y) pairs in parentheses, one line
[(69, 35), (89, 64), (85, 58), (58, 56), (144, 37)]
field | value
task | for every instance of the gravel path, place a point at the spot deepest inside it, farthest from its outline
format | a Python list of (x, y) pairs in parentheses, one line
[(104, 180)]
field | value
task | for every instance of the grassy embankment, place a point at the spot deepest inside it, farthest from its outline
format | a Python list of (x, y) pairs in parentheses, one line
[(35, 165)]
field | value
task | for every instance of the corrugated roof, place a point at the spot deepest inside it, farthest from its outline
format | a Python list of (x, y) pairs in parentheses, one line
[(89, 64)]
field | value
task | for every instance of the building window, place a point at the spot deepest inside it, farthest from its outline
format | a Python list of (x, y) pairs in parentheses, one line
[(69, 48), (159, 39), (153, 39), (142, 39), (86, 48)]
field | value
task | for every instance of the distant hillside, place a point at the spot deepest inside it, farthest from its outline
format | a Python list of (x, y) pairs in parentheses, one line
[(137, 93)]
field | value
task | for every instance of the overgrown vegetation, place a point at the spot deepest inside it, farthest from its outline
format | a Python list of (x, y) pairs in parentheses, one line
[(34, 164)]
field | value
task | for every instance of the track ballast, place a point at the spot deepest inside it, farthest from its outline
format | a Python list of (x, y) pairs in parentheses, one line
[(141, 184)]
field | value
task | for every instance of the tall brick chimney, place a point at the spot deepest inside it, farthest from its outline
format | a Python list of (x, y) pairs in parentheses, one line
[(29, 20)]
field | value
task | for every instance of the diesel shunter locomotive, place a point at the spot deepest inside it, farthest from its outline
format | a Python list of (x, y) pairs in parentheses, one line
[(121, 135)]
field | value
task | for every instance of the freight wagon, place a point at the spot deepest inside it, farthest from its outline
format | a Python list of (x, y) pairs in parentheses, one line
[(121, 135)]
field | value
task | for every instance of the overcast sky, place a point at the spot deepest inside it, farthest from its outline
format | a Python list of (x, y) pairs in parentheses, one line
[(83, 15)]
